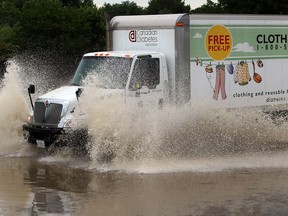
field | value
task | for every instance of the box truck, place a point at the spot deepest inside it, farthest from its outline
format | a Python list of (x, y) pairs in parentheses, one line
[(226, 61)]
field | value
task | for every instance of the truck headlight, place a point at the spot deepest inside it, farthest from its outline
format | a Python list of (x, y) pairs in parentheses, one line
[(29, 119)]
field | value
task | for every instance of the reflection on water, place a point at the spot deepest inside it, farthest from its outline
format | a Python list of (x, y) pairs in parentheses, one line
[(51, 176), (33, 186), (33, 189), (52, 186)]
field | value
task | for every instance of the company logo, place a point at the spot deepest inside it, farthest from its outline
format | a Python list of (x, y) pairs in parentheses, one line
[(143, 36), (46, 103), (132, 35), (218, 42)]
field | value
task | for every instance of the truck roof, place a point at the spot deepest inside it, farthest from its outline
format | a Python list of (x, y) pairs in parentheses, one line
[(122, 53), (142, 21)]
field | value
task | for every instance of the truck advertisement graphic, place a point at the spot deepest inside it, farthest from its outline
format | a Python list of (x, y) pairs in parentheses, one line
[(246, 64)]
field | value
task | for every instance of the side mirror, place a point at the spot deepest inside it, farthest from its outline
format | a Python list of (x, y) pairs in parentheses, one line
[(31, 89)]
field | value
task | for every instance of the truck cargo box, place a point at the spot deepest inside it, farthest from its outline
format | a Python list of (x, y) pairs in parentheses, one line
[(239, 60)]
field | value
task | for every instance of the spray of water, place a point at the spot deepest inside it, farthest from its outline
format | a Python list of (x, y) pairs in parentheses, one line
[(127, 137), (124, 133), (13, 108), (42, 69)]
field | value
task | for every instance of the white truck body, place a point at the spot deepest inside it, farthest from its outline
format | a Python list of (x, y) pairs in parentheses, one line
[(227, 61)]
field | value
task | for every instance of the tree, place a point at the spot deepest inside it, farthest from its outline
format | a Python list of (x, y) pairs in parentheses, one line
[(76, 3), (38, 24), (8, 17), (51, 29), (125, 8), (254, 7), (8, 13), (45, 24), (167, 6), (209, 7), (6, 45), (244, 7)]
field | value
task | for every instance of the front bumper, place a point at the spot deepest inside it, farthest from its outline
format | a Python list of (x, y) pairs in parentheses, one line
[(43, 136)]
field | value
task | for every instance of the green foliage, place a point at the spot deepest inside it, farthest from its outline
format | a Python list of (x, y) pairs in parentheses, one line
[(66, 27), (167, 6), (8, 16), (6, 45), (255, 7), (209, 7), (38, 22), (77, 3), (46, 24), (8, 13), (244, 7), (125, 8)]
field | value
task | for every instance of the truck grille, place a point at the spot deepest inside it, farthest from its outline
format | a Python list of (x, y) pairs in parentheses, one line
[(50, 114)]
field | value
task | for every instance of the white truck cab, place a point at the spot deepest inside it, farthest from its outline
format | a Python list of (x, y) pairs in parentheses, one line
[(142, 75)]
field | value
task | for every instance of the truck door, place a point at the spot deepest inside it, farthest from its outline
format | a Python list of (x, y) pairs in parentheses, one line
[(144, 82)]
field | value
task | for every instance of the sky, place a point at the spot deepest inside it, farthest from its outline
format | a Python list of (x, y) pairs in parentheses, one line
[(144, 3)]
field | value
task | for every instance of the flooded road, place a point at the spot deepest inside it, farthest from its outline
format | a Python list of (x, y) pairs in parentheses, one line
[(188, 161), (250, 185)]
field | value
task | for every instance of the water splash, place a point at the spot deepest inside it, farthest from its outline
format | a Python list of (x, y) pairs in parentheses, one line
[(247, 161), (124, 133), (142, 139), (42, 70), (15, 105), (13, 108)]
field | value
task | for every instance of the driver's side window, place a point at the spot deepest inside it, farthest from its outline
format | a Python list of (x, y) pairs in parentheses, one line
[(146, 73)]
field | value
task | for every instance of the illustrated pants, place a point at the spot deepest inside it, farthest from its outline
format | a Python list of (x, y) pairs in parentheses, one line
[(220, 83)]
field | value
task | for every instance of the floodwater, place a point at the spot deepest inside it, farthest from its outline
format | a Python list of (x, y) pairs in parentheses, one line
[(175, 161), (245, 185)]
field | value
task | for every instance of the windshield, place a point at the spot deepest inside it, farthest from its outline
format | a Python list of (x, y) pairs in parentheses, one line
[(110, 72)]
